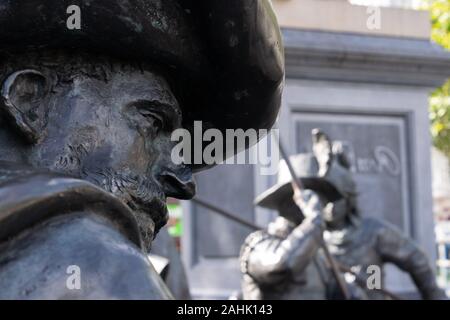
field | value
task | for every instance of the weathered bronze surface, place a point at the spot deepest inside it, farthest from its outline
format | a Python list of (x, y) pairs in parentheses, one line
[(86, 120)]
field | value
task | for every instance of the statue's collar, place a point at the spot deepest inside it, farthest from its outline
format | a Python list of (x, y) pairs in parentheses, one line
[(29, 196)]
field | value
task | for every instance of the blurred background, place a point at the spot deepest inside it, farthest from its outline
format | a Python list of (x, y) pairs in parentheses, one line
[(374, 74)]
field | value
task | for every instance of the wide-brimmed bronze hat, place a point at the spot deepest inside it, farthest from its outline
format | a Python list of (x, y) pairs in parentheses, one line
[(324, 170), (224, 59)]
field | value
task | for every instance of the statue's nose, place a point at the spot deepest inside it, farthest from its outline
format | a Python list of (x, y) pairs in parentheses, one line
[(178, 183)]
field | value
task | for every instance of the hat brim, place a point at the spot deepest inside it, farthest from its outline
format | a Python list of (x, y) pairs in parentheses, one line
[(245, 40), (279, 193), (224, 59)]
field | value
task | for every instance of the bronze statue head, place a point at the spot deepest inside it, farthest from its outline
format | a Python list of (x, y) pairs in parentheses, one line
[(101, 120), (100, 103), (326, 171)]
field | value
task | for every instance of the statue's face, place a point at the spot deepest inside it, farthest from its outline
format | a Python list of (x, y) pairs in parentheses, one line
[(335, 212), (116, 134), (289, 210)]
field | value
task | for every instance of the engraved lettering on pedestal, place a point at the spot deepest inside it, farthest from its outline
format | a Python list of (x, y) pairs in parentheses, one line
[(383, 161)]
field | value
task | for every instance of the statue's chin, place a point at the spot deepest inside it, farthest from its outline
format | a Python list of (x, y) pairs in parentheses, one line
[(147, 228), (144, 197), (150, 220)]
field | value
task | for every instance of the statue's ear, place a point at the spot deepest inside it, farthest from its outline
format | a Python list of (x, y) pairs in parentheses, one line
[(23, 94)]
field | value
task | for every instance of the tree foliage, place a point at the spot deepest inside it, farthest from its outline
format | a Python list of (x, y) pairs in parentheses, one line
[(440, 99)]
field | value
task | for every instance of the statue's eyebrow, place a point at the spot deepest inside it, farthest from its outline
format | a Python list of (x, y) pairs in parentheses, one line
[(169, 111)]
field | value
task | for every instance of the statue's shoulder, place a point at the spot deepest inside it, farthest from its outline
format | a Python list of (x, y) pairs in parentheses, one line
[(276, 232), (252, 241), (381, 230), (372, 225), (77, 256), (378, 224), (64, 238), (255, 238)]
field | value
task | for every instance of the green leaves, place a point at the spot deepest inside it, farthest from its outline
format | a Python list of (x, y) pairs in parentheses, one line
[(440, 18), (440, 118), (440, 99)]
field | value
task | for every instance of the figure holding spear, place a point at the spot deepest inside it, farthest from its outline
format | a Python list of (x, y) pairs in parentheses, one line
[(324, 191), (289, 260)]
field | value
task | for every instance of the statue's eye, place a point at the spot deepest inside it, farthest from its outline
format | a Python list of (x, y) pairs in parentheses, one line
[(151, 116), (154, 119)]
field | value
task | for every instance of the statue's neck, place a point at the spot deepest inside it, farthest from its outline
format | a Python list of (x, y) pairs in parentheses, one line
[(12, 146)]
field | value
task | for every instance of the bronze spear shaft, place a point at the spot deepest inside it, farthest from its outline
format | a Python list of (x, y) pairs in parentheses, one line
[(298, 187), (226, 214)]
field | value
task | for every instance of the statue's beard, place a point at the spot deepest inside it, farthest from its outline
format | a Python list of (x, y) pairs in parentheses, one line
[(141, 194)]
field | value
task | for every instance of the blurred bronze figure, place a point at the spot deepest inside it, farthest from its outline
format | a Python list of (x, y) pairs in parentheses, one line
[(86, 122), (286, 260), (354, 241)]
